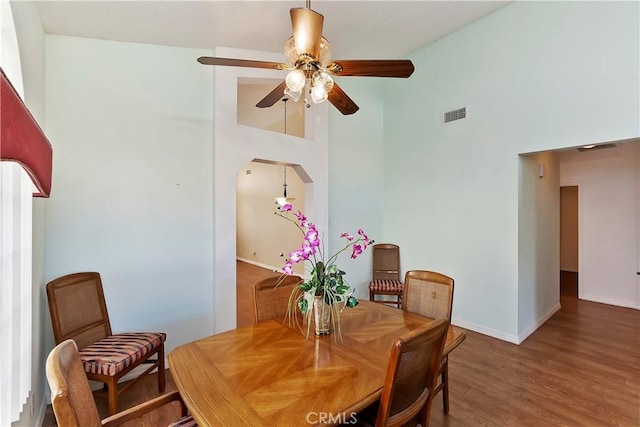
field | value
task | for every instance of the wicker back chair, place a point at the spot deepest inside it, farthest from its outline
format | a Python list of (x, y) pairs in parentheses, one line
[(72, 400), (430, 294), (79, 312), (412, 375), (385, 278), (271, 296)]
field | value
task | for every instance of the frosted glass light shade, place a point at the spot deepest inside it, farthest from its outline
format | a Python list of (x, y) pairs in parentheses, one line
[(295, 80), (320, 78), (294, 95), (325, 52), (285, 200), (290, 52), (318, 94)]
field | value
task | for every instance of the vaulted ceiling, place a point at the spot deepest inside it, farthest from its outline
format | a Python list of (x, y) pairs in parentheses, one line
[(356, 29)]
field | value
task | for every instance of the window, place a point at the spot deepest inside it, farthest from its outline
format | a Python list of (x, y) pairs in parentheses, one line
[(16, 191)]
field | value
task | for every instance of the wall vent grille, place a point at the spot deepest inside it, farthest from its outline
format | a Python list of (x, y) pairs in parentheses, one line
[(453, 115)]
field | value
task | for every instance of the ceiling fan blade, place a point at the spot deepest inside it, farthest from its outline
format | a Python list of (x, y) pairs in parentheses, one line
[(307, 31), (341, 101), (273, 96), (230, 62), (372, 67)]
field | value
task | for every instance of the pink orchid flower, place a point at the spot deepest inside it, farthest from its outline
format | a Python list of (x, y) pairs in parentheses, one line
[(296, 256), (365, 237), (288, 268), (357, 250)]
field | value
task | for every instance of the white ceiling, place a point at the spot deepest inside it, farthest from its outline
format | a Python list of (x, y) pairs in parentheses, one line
[(356, 29)]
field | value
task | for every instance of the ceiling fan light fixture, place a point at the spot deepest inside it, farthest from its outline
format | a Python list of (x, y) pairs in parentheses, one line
[(290, 52), (295, 80), (321, 78), (319, 94), (294, 95), (307, 32), (325, 52)]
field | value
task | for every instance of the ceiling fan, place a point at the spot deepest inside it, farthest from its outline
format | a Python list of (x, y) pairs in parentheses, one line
[(310, 66)]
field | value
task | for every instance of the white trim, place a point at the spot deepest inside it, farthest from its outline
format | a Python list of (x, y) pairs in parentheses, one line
[(525, 334), (486, 331), (258, 264), (617, 303)]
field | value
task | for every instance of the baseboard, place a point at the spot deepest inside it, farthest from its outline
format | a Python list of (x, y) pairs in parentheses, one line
[(514, 339), (258, 264), (525, 334), (486, 331), (617, 303)]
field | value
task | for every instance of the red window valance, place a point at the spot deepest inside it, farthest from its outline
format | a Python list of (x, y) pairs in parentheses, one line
[(22, 140)]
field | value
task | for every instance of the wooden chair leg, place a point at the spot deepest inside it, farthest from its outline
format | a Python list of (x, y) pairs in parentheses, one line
[(445, 385), (424, 415), (112, 396), (161, 371)]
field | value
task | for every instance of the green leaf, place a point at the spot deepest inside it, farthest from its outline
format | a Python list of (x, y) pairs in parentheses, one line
[(352, 302), (303, 305)]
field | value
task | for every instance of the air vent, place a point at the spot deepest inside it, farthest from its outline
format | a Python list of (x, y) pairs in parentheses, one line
[(459, 114), (597, 147)]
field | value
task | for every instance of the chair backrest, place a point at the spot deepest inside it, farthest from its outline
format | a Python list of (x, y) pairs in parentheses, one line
[(412, 372), (428, 294), (386, 261), (71, 397), (271, 296), (78, 310)]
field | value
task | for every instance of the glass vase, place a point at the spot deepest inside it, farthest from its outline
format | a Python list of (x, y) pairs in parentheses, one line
[(321, 316)]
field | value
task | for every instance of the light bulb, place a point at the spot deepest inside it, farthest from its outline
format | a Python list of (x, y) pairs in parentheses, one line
[(294, 95), (320, 78), (318, 94), (295, 80)]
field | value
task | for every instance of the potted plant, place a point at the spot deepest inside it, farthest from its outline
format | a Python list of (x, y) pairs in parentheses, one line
[(322, 297)]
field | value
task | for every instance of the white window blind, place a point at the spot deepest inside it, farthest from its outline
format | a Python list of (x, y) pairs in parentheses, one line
[(16, 191)]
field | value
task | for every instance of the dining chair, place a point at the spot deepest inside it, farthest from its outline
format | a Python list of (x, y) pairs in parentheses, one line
[(79, 312), (72, 399), (385, 278), (271, 296), (430, 294), (411, 377)]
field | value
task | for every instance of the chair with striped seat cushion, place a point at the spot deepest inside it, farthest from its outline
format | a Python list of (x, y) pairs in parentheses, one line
[(385, 278), (79, 312), (115, 353), (73, 403), (430, 294)]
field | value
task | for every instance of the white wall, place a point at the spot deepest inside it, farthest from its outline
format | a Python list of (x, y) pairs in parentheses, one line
[(609, 222), (30, 39), (132, 126), (261, 235), (235, 146), (356, 174), (538, 241), (534, 76)]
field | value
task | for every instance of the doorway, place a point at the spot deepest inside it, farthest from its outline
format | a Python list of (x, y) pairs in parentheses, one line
[(569, 238)]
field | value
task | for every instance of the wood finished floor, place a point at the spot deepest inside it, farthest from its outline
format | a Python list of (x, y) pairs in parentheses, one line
[(581, 368)]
